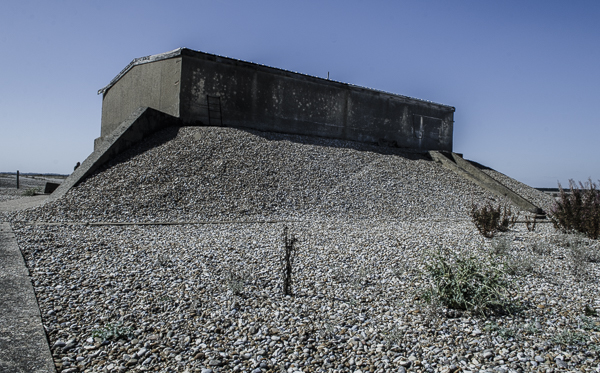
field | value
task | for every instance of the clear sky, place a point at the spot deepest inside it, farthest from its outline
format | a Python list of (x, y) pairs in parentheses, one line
[(524, 76)]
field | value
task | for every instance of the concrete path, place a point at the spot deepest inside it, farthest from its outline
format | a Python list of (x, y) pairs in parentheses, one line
[(23, 343), (23, 203)]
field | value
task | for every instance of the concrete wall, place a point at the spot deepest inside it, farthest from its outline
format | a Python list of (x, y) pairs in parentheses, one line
[(268, 99), (155, 85)]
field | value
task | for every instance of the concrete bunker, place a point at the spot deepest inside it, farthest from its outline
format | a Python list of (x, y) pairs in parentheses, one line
[(186, 87), (202, 88)]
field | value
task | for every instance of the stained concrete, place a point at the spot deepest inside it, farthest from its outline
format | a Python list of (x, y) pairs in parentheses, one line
[(157, 86), (273, 100), (23, 342)]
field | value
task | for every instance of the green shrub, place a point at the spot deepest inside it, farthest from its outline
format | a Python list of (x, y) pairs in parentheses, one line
[(579, 210), (31, 192), (571, 338), (489, 219), (113, 331), (468, 284)]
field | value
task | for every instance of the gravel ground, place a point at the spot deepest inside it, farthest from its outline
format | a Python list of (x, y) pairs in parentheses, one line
[(8, 186), (207, 297)]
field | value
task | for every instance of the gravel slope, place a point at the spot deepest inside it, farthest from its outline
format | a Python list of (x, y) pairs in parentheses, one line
[(207, 297), (222, 173)]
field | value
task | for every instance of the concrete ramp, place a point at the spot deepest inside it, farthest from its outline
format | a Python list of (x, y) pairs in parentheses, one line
[(142, 123), (465, 169)]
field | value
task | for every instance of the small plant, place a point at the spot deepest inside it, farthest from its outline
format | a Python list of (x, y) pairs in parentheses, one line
[(587, 323), (570, 338), (289, 254), (540, 249), (31, 192), (164, 260), (501, 331), (520, 265), (394, 337), (489, 219), (578, 210), (113, 332), (467, 284), (235, 282), (531, 223), (590, 311), (501, 245)]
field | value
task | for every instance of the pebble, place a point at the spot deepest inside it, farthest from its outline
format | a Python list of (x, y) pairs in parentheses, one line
[(215, 363), (203, 295)]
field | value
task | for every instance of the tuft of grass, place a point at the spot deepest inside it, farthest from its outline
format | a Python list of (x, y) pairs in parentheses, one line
[(571, 338), (501, 331), (113, 332), (467, 284), (31, 192), (578, 210), (489, 219)]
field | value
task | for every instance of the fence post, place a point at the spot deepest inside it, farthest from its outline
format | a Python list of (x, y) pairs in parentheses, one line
[(17, 179)]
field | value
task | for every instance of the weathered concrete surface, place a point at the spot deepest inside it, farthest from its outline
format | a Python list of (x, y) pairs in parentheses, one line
[(23, 342), (23, 203), (465, 169), (156, 86), (142, 123), (274, 100)]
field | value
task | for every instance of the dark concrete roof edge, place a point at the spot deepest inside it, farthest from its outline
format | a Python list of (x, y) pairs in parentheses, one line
[(191, 52)]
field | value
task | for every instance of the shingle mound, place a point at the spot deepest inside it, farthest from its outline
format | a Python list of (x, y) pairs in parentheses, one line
[(214, 173)]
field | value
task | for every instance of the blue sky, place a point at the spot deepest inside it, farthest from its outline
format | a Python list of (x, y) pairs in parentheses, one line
[(524, 76)]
